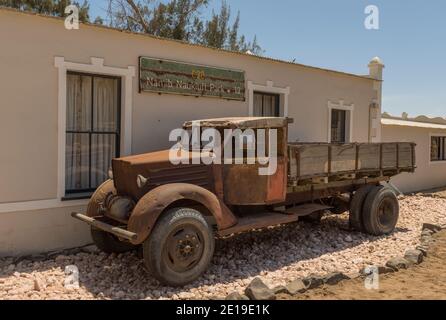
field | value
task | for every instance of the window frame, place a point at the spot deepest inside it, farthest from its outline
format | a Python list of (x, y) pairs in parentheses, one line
[(341, 105), (276, 97), (442, 147), (86, 193), (343, 122)]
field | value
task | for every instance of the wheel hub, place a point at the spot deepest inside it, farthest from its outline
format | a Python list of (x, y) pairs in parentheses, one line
[(184, 248)]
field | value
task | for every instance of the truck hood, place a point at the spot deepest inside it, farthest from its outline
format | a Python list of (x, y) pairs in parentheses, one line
[(136, 175)]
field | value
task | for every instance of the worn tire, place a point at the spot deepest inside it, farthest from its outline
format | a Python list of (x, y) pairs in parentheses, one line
[(108, 243), (381, 211), (180, 247), (357, 206)]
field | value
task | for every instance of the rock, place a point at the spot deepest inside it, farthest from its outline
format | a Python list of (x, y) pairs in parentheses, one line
[(38, 285), (385, 270), (235, 296), (427, 233), (334, 278), (313, 281), (295, 287), (348, 239), (398, 264), (280, 289), (257, 290), (424, 249), (432, 227), (414, 256), (11, 268)]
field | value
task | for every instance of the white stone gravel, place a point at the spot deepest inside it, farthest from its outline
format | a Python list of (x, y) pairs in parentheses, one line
[(278, 255)]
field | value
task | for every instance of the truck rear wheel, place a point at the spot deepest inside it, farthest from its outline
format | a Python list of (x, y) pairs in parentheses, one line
[(180, 247), (357, 206), (381, 211), (108, 243)]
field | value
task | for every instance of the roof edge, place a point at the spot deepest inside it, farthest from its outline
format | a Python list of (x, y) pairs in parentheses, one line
[(366, 77)]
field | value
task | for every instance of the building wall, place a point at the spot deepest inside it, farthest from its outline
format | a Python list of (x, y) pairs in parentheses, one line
[(428, 174), (29, 105)]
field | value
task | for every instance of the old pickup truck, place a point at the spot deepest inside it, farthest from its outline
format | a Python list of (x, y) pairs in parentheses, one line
[(174, 213)]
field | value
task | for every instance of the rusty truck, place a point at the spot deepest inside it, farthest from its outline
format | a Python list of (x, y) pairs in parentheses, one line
[(174, 213)]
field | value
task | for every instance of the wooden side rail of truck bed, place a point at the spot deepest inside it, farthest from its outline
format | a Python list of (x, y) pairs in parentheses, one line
[(315, 163)]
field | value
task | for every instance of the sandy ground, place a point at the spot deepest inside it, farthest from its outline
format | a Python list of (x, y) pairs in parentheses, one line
[(423, 282)]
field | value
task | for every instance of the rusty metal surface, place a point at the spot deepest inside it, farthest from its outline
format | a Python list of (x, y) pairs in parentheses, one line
[(244, 186), (119, 232), (98, 198), (157, 170), (258, 221), (150, 207)]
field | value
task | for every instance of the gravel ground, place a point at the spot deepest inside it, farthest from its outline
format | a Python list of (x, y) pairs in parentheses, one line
[(277, 255), (426, 281)]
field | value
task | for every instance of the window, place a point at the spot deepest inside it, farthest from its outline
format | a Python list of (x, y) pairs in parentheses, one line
[(338, 126), (266, 105), (92, 130), (438, 148)]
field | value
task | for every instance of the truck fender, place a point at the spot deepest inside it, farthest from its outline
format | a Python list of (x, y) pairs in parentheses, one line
[(152, 205), (98, 197)]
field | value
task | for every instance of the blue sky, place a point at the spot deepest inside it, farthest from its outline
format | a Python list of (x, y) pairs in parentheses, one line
[(331, 34)]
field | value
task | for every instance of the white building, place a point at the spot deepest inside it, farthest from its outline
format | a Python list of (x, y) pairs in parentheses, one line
[(430, 136)]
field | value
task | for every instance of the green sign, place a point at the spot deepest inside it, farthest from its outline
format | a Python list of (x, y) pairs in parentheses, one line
[(166, 76)]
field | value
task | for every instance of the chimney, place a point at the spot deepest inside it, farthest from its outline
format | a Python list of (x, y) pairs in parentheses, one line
[(376, 69)]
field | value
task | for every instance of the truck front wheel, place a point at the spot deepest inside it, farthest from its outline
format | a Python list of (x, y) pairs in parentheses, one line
[(180, 247), (381, 211)]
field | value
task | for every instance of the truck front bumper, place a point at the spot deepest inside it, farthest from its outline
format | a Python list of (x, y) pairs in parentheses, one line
[(119, 232)]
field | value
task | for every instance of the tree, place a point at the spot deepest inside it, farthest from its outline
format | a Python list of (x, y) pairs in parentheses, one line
[(49, 7), (181, 20)]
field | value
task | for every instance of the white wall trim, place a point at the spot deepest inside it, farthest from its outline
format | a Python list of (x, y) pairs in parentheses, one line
[(269, 88), (340, 105), (96, 67), (39, 205)]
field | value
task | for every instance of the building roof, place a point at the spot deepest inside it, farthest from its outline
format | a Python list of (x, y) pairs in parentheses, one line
[(418, 122), (240, 123), (250, 55)]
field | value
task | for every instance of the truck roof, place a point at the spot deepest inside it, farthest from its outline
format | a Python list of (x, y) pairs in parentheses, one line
[(240, 123)]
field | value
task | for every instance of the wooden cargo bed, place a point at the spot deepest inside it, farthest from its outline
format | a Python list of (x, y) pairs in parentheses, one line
[(314, 163)]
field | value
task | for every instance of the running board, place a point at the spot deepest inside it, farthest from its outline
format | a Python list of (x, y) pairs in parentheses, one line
[(259, 221)]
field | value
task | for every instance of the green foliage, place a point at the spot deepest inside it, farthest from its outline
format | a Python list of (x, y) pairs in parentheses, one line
[(181, 20)]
